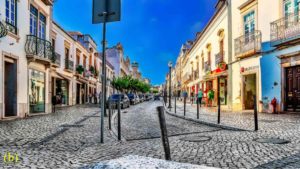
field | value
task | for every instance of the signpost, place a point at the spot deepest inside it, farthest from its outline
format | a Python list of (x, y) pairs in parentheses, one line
[(105, 11)]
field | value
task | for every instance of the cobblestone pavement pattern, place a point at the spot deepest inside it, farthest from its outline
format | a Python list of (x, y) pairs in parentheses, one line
[(42, 142)]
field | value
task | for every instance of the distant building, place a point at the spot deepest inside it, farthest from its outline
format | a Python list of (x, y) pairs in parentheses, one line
[(115, 55)]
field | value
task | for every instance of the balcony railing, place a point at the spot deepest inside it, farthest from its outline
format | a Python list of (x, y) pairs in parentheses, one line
[(38, 47), (3, 30), (248, 45), (56, 58), (207, 66), (69, 64), (11, 28), (285, 30), (219, 58)]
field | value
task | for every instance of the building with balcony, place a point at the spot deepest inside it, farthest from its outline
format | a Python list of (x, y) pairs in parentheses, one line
[(26, 57), (280, 64), (205, 62)]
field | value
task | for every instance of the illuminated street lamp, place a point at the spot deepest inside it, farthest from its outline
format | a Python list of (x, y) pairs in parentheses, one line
[(170, 64)]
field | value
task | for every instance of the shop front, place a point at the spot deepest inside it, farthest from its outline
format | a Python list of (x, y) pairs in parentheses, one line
[(62, 92), (249, 86), (36, 91), (214, 86)]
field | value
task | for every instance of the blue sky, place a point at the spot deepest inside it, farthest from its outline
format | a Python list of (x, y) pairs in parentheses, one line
[(151, 31)]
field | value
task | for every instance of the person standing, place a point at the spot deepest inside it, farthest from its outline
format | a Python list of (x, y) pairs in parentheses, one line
[(200, 96), (192, 98)]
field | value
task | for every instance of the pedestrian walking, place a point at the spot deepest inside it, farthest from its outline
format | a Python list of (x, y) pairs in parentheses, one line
[(192, 98), (211, 96), (54, 102), (200, 96)]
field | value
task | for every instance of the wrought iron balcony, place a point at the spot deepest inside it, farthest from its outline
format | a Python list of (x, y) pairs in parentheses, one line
[(219, 58), (3, 30), (285, 30), (248, 45), (207, 67), (11, 28), (56, 59), (69, 64), (38, 48)]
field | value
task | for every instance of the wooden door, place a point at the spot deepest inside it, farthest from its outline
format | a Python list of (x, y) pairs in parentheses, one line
[(292, 91)]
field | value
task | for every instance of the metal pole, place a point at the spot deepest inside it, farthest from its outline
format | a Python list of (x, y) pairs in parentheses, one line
[(175, 104), (184, 105), (164, 132), (219, 110), (103, 78), (170, 90), (119, 118), (109, 115), (197, 108), (255, 114)]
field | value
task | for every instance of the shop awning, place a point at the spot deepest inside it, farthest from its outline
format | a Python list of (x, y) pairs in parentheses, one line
[(214, 76)]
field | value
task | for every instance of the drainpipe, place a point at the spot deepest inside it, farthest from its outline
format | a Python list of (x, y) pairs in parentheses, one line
[(230, 53)]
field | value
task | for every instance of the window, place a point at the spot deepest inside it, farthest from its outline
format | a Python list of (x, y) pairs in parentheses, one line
[(209, 57), (33, 20), (53, 44), (37, 23), (202, 61), (11, 15), (42, 26), (288, 9), (249, 23)]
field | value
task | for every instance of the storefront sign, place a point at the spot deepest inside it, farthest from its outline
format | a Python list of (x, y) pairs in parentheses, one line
[(247, 69)]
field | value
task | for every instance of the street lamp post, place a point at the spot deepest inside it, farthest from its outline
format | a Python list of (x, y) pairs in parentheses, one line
[(170, 83)]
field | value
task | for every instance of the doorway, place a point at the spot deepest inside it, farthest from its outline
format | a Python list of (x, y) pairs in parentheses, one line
[(10, 88), (249, 91), (292, 90)]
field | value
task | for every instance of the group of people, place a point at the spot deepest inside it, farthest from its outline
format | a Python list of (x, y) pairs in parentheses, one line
[(198, 98)]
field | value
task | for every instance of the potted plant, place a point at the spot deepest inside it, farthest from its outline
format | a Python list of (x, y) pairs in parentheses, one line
[(80, 69)]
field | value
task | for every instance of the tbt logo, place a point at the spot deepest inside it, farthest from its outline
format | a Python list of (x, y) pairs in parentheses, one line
[(10, 158)]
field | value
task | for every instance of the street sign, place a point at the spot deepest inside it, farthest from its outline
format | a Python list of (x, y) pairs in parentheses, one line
[(111, 7)]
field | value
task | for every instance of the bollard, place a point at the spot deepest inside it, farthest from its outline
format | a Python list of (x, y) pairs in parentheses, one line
[(164, 132), (109, 115), (184, 106), (119, 119), (219, 110), (175, 104), (255, 114), (197, 108)]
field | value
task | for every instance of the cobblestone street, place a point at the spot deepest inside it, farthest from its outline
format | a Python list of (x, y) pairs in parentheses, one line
[(70, 139)]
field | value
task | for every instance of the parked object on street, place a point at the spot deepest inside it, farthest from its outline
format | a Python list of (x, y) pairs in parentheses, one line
[(133, 99), (157, 97), (142, 97), (125, 103), (164, 132)]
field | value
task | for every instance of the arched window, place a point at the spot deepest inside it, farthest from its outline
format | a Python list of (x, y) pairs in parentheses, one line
[(221, 43), (208, 47)]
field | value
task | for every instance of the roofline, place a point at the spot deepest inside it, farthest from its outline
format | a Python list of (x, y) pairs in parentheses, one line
[(206, 27)]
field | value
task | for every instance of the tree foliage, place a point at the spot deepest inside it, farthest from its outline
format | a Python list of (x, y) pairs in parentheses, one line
[(128, 84)]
